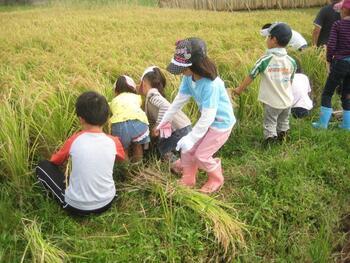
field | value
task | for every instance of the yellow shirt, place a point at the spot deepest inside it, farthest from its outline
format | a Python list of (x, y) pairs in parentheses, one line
[(127, 106)]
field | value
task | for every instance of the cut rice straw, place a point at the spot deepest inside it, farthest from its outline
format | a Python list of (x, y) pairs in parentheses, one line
[(226, 227)]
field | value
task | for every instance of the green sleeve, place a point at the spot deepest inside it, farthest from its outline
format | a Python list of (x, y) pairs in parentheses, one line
[(294, 66), (260, 66)]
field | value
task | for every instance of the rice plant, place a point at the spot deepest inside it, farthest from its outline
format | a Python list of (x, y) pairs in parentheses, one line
[(40, 249), (226, 227), (16, 149)]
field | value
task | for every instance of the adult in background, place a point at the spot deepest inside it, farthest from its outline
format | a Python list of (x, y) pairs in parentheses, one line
[(323, 24)]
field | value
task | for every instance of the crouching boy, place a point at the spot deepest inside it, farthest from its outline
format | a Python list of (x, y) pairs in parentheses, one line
[(91, 187)]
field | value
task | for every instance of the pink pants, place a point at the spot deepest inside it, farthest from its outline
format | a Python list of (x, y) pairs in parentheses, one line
[(201, 154)]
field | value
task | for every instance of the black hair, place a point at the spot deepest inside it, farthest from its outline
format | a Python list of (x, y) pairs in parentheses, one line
[(121, 86), (93, 108), (266, 26), (299, 68), (157, 80), (205, 68), (281, 41)]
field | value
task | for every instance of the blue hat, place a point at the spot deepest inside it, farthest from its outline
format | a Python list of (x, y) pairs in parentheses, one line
[(282, 32)]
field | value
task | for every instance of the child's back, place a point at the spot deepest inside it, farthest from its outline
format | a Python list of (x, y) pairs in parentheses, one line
[(127, 106), (156, 106), (277, 69), (129, 121), (91, 184)]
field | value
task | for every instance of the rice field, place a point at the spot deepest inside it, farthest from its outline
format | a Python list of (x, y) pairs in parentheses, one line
[(287, 203)]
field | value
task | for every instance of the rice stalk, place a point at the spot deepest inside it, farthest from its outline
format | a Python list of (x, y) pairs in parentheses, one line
[(17, 150), (41, 250), (227, 229)]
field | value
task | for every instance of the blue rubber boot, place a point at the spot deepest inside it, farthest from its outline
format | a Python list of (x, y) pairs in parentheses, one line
[(346, 120), (325, 116)]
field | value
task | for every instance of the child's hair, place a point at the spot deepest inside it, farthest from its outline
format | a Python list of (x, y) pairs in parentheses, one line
[(124, 84), (156, 79), (282, 42), (205, 68), (93, 108)]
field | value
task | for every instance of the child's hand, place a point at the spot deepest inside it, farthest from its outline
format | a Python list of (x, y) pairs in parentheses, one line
[(184, 144), (164, 129), (236, 92), (155, 132)]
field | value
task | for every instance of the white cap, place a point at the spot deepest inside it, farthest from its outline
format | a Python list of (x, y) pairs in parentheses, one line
[(148, 70), (266, 32), (128, 80)]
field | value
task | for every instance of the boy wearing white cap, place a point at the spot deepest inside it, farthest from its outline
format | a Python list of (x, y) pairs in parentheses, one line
[(277, 70)]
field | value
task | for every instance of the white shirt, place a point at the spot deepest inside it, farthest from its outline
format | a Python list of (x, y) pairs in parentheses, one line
[(277, 71), (297, 40), (91, 185), (301, 88)]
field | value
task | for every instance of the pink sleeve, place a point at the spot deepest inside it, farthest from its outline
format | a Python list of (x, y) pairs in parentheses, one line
[(62, 155), (119, 147)]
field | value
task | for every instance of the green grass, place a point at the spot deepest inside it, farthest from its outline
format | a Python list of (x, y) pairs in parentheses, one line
[(285, 202)]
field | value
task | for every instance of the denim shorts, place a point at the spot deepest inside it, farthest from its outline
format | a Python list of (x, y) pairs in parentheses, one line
[(133, 131), (168, 145)]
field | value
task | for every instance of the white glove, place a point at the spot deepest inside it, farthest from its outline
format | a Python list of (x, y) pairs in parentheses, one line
[(185, 144), (200, 129), (179, 101)]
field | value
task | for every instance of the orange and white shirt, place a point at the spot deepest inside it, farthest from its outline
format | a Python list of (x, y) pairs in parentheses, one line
[(91, 185), (277, 70)]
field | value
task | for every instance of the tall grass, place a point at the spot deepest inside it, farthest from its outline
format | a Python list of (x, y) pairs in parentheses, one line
[(16, 149), (53, 119), (40, 249), (226, 227)]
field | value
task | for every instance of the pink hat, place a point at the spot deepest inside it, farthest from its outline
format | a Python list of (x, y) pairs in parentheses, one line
[(342, 4), (346, 4)]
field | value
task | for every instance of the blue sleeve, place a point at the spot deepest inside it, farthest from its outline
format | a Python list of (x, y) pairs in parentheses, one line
[(185, 86), (210, 97)]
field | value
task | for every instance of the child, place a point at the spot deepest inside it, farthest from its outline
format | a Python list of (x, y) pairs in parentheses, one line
[(338, 56), (91, 187), (201, 82), (152, 86), (302, 104), (277, 70), (129, 122), (297, 41)]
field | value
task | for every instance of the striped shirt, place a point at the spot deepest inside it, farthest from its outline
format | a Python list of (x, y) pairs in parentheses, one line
[(156, 106), (339, 40)]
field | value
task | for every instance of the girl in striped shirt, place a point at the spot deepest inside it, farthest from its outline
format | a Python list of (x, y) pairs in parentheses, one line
[(152, 87), (338, 57)]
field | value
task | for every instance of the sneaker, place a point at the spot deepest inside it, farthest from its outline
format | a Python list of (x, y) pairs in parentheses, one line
[(282, 136), (269, 141)]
